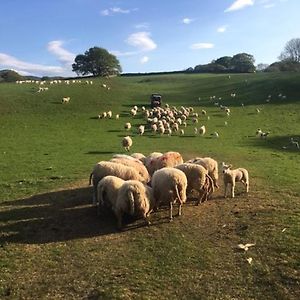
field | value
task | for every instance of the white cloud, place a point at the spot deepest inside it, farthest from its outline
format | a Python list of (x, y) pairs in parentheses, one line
[(187, 21), (222, 29), (197, 46), (142, 25), (142, 41), (239, 4), (270, 5), (144, 59), (64, 56), (116, 10), (10, 62), (120, 53)]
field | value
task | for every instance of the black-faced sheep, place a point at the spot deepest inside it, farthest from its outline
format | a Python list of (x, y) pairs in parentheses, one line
[(169, 186)]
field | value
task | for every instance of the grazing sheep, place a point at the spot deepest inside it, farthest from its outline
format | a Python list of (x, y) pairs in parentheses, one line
[(117, 116), (127, 126), (210, 165), (196, 179), (202, 130), (261, 134), (169, 185), (107, 192), (135, 199), (127, 142), (65, 100), (109, 114), (105, 168), (233, 176), (134, 163), (141, 129), (168, 159)]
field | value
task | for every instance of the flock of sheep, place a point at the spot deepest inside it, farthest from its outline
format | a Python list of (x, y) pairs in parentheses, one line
[(137, 185)]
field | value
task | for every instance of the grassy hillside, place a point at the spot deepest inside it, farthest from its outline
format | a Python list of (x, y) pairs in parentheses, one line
[(54, 246)]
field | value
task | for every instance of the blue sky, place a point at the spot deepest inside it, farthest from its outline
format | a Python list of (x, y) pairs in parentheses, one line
[(42, 37)]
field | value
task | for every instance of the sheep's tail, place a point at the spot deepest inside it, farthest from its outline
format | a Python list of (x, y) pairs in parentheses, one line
[(131, 202), (90, 180), (177, 194)]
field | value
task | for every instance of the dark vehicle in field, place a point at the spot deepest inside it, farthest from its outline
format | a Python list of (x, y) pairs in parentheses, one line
[(155, 100)]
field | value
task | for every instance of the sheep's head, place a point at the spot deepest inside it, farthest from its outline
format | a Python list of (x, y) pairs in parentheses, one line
[(225, 168)]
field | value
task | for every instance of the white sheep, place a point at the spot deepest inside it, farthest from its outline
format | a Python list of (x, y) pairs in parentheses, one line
[(130, 161), (105, 168), (109, 114), (141, 129), (202, 130), (127, 126), (107, 193), (210, 165), (117, 116), (127, 142), (65, 100), (169, 186), (233, 176), (135, 199), (139, 156), (197, 180)]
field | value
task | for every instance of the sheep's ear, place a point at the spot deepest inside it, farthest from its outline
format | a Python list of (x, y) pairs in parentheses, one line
[(223, 164), (230, 166)]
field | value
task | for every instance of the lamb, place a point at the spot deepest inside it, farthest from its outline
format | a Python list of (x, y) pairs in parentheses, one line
[(107, 192), (135, 199), (127, 126), (169, 185), (233, 176), (210, 165), (127, 142), (197, 180), (105, 168)]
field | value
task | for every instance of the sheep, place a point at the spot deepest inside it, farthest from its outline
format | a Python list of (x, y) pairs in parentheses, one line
[(117, 116), (261, 134), (168, 159), (105, 168), (138, 156), (135, 199), (127, 142), (294, 143), (65, 100), (127, 126), (169, 185), (203, 112), (210, 165), (107, 192), (109, 114), (233, 176), (202, 130), (141, 129), (135, 163), (216, 134), (196, 179)]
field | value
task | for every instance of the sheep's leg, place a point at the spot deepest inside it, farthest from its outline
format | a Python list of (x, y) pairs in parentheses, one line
[(179, 209), (225, 190), (171, 211), (232, 190), (202, 197), (146, 218), (247, 187)]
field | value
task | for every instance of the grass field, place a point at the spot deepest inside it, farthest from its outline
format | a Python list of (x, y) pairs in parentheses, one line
[(53, 245)]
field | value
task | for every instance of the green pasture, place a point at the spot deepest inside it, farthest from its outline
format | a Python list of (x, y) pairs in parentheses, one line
[(53, 246)]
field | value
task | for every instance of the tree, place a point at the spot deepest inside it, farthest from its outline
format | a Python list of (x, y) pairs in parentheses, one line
[(261, 67), (291, 51), (96, 61), (243, 63), (224, 61)]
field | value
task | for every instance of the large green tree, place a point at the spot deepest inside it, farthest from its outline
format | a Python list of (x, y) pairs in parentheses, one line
[(243, 63), (98, 62)]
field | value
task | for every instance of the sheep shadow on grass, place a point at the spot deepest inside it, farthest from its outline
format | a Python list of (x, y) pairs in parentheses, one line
[(60, 216)]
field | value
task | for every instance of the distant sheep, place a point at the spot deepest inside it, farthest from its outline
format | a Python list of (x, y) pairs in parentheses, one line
[(233, 176), (202, 130), (141, 129), (65, 100), (127, 142), (127, 126), (105, 168), (135, 199), (169, 186)]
